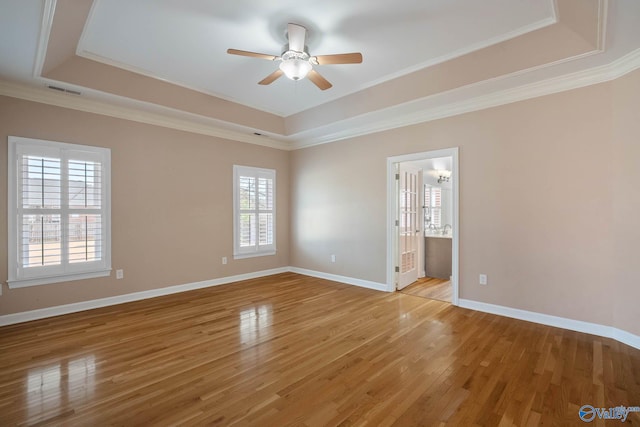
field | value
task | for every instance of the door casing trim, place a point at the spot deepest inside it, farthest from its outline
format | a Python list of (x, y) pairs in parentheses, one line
[(392, 197)]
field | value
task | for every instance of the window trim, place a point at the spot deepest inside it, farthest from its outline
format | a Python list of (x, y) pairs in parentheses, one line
[(257, 250), (17, 276)]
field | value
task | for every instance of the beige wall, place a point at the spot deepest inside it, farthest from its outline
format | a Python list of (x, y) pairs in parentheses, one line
[(171, 203), (549, 202), (625, 184)]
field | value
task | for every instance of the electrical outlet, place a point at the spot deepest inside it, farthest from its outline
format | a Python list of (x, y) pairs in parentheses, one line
[(224, 260), (483, 279), (333, 258), (119, 274)]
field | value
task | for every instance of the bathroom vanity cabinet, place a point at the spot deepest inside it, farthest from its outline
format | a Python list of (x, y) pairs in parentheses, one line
[(438, 256)]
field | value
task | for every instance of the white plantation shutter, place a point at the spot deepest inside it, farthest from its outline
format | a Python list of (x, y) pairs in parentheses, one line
[(265, 211), (39, 218), (85, 213), (433, 200), (436, 204), (427, 196), (58, 212), (254, 211)]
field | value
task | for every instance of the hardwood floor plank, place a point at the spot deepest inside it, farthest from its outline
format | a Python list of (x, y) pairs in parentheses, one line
[(294, 350), (432, 288)]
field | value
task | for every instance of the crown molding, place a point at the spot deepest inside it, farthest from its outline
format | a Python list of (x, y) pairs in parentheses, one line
[(623, 65), (375, 122), (391, 118), (75, 102), (43, 39)]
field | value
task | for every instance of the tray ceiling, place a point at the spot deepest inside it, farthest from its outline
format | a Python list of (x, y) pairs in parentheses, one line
[(185, 41), (165, 61)]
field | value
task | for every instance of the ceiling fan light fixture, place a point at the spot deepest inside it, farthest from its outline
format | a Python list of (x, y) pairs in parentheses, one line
[(295, 69), (295, 65)]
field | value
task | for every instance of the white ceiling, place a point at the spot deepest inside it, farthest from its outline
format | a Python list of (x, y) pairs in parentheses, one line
[(185, 41), (20, 23)]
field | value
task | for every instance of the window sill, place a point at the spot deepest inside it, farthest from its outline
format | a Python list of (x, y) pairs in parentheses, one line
[(253, 255), (36, 281)]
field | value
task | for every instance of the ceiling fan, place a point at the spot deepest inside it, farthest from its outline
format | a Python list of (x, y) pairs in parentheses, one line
[(296, 63)]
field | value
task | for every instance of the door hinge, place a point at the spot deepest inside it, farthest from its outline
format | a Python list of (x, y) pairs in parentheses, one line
[(397, 223), (397, 269), (397, 177)]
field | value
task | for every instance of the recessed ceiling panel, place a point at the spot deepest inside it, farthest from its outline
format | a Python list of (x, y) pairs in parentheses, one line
[(185, 41)]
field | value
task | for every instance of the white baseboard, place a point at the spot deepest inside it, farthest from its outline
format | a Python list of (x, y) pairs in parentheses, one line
[(26, 316), (625, 337), (530, 316), (343, 279), (559, 322)]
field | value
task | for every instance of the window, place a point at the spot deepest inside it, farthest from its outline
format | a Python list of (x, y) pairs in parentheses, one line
[(59, 212), (433, 204), (254, 210)]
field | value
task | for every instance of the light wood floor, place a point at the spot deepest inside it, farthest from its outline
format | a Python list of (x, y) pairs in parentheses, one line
[(293, 350), (430, 287)]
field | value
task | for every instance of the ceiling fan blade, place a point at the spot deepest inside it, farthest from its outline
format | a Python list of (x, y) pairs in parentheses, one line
[(340, 58), (318, 80), (251, 54), (271, 77), (297, 35)]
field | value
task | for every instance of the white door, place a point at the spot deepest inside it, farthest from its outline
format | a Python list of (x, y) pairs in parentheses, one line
[(408, 224)]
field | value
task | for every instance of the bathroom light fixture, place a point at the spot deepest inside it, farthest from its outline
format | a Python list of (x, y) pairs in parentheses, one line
[(443, 176)]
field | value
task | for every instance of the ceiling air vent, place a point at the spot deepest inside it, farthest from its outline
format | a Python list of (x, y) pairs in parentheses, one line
[(61, 89)]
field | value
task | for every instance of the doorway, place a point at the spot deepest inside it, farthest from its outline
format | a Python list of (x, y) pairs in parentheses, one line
[(422, 224)]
